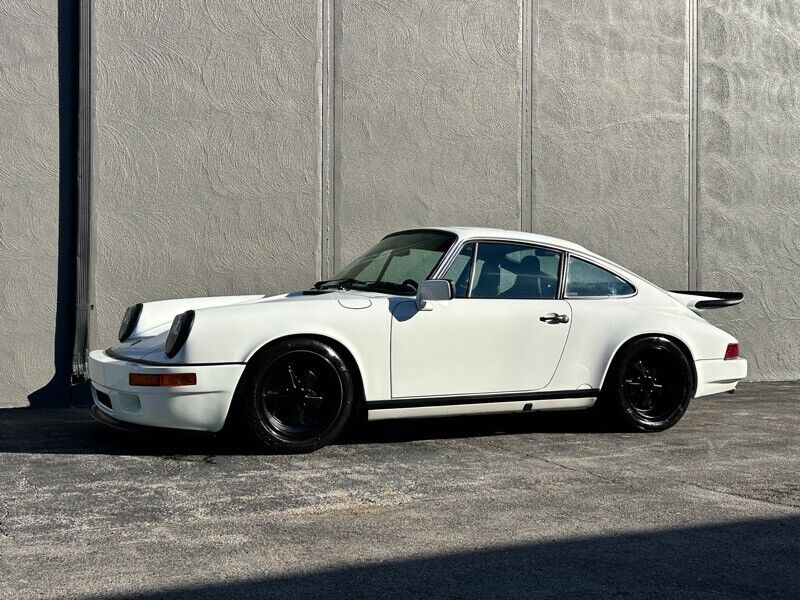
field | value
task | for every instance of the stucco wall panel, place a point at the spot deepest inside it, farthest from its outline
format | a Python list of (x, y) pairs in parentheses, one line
[(749, 202), (429, 116), (206, 149), (611, 113), (28, 196)]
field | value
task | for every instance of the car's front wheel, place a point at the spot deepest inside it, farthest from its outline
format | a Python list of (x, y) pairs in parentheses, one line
[(299, 395), (650, 385)]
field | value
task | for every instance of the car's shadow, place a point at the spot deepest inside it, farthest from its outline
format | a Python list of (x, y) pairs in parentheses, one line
[(74, 431)]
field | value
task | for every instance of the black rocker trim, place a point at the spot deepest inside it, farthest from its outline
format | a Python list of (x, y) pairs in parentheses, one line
[(482, 399)]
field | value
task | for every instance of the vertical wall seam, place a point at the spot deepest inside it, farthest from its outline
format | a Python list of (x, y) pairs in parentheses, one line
[(83, 221), (694, 180), (526, 158), (533, 51), (328, 132), (534, 81)]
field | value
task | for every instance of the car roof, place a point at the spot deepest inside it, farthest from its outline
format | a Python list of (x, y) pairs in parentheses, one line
[(516, 236)]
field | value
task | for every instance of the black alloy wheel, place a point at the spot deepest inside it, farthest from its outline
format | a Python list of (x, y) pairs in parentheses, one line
[(300, 395), (651, 385)]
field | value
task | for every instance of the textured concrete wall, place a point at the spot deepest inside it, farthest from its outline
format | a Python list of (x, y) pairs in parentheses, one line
[(566, 118), (611, 124), (29, 187), (428, 118), (207, 145), (749, 201)]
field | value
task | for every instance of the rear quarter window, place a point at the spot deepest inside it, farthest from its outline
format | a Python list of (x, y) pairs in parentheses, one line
[(587, 280)]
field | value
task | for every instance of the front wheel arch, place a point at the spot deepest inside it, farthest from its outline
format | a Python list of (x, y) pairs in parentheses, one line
[(360, 401), (612, 364)]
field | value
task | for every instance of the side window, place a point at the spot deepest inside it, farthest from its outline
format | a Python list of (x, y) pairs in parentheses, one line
[(515, 271), (587, 280), (460, 270)]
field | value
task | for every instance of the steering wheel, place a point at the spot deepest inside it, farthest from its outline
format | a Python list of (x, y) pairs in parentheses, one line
[(411, 283)]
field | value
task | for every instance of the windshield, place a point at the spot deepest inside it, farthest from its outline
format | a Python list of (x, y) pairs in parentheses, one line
[(396, 264)]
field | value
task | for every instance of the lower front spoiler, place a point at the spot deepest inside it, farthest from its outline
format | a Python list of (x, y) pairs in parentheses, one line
[(101, 417)]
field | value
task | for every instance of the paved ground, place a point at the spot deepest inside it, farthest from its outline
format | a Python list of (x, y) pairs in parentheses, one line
[(530, 505)]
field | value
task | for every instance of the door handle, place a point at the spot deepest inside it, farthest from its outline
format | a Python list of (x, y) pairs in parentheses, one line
[(554, 318)]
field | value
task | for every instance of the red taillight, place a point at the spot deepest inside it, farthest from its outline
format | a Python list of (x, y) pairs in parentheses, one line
[(732, 351)]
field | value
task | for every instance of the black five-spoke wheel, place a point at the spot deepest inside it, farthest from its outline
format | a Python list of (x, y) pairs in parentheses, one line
[(300, 395), (650, 386)]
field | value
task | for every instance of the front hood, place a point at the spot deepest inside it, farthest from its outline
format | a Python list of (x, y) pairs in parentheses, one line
[(147, 340)]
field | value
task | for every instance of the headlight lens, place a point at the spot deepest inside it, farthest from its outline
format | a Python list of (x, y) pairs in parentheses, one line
[(176, 338), (129, 321)]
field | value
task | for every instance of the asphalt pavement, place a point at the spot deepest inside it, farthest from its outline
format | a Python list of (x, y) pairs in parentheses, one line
[(541, 505)]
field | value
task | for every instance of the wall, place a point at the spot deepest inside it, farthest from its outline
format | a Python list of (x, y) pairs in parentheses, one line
[(429, 117), (610, 141), (29, 196), (749, 201), (249, 147), (207, 170)]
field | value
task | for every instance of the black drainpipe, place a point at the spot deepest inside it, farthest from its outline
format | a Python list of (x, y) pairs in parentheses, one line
[(83, 220)]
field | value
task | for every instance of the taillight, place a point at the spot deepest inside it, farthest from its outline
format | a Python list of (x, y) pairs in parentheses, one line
[(732, 351)]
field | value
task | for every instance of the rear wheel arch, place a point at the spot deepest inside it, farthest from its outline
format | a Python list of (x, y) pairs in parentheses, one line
[(618, 353)]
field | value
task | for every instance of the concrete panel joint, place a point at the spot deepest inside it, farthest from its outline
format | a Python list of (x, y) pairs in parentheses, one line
[(328, 107), (526, 188), (694, 182)]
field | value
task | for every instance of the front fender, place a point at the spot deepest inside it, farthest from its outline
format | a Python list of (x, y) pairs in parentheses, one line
[(233, 334)]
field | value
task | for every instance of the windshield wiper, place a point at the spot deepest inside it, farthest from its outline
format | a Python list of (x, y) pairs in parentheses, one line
[(356, 284), (341, 284), (384, 286)]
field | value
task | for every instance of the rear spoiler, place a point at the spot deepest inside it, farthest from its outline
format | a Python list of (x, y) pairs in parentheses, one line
[(699, 301)]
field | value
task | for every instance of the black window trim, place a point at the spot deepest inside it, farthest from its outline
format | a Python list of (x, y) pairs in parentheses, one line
[(564, 294)]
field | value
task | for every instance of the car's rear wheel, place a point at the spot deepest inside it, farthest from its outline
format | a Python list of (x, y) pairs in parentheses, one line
[(299, 395), (650, 385)]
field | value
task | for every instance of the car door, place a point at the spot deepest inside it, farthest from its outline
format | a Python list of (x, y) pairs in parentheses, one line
[(503, 332)]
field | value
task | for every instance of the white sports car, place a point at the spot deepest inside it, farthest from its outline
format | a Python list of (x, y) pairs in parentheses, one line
[(429, 322)]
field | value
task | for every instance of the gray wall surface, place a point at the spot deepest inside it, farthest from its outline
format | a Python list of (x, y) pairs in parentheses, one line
[(429, 117), (749, 201), (29, 195), (207, 171), (256, 147), (611, 113)]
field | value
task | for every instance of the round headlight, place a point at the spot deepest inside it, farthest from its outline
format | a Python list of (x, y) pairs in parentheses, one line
[(129, 321), (176, 338)]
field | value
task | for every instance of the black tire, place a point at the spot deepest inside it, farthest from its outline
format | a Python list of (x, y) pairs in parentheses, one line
[(649, 386), (298, 395)]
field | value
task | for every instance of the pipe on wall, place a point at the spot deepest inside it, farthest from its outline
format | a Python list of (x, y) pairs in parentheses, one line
[(83, 221)]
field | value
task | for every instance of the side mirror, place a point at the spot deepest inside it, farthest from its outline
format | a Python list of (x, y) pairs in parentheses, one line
[(433, 290)]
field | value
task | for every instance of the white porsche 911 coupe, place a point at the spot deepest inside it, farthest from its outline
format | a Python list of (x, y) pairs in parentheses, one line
[(429, 322)]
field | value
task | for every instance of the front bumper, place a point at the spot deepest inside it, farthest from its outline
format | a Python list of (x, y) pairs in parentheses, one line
[(200, 407), (719, 375)]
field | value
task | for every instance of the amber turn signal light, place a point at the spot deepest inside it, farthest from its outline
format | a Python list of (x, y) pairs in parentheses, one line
[(166, 379)]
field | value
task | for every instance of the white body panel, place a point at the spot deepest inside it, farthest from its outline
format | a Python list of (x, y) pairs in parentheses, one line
[(461, 347), (486, 344), (202, 407)]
